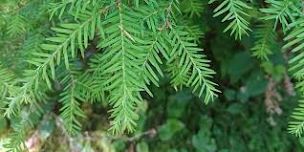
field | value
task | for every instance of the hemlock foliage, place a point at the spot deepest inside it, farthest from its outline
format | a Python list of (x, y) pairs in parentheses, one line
[(60, 55)]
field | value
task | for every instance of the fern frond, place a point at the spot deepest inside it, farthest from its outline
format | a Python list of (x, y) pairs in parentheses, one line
[(282, 11), (193, 64), (265, 39), (235, 13)]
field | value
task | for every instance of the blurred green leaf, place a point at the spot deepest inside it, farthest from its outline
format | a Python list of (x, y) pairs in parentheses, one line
[(235, 108), (3, 125), (238, 65), (230, 94), (203, 142), (169, 129), (142, 147)]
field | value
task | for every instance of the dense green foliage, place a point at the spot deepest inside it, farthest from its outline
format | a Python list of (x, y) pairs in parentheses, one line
[(128, 66)]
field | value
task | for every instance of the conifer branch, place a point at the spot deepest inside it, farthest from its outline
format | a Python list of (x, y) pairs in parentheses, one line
[(71, 110), (265, 40), (283, 12), (193, 64), (235, 13)]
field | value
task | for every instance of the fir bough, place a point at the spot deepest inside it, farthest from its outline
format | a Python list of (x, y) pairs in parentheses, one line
[(102, 50), (113, 50)]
